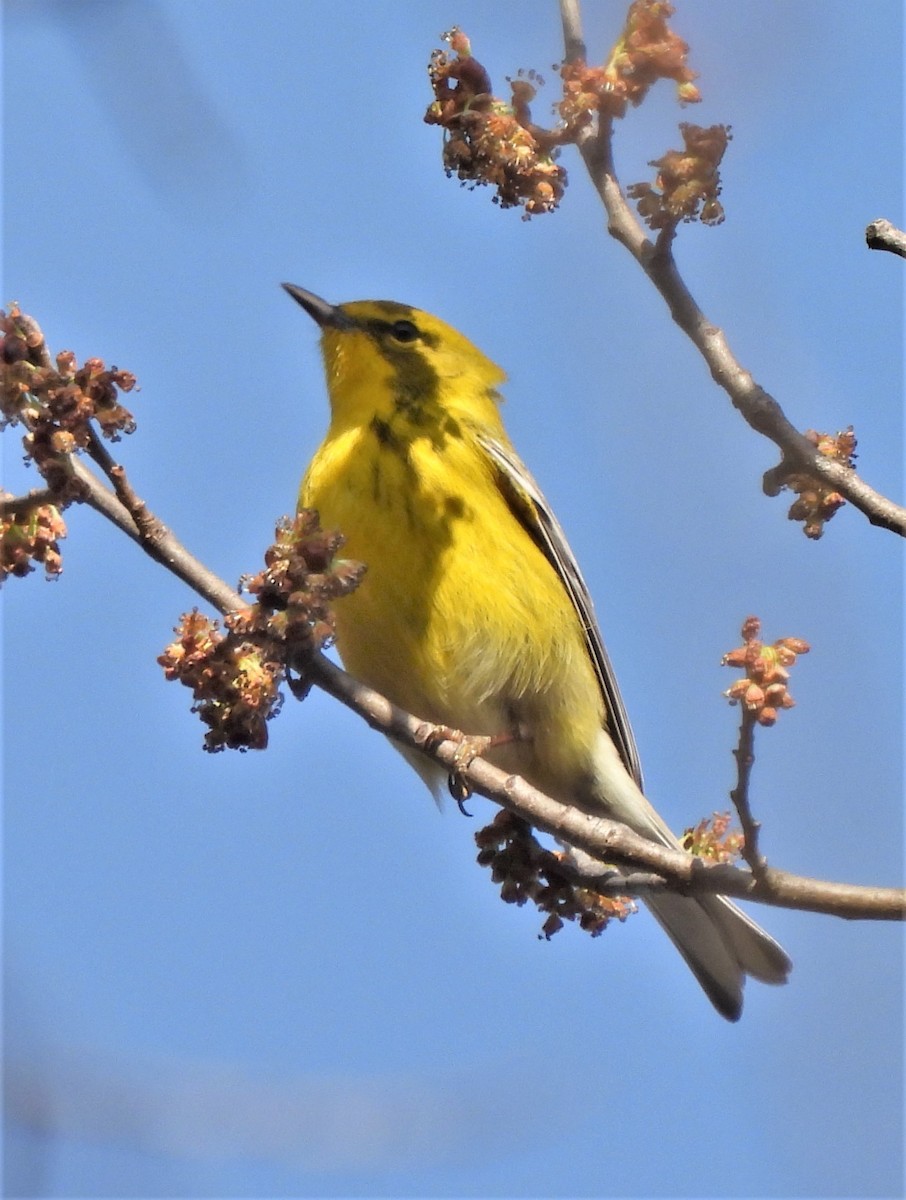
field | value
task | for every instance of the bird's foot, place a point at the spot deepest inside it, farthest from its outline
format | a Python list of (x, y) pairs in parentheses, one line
[(469, 747)]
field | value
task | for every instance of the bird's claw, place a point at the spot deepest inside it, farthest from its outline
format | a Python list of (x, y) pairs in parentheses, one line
[(468, 747)]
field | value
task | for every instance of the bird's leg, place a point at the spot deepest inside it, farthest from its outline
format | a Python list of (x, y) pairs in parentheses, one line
[(469, 746)]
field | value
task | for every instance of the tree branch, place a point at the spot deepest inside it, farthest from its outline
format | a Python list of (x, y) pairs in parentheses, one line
[(161, 544), (757, 407), (605, 840)]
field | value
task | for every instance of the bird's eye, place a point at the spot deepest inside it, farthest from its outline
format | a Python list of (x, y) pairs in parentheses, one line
[(404, 331)]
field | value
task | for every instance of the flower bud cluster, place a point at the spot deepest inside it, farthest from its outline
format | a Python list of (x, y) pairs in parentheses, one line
[(764, 689), (817, 502), (236, 676), (688, 181), (647, 50), (527, 871), (234, 682), (31, 536), (713, 839), (56, 403), (488, 140)]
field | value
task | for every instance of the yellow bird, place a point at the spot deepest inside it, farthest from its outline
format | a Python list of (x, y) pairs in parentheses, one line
[(473, 612)]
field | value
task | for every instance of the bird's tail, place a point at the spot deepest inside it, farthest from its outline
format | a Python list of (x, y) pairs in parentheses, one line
[(718, 941), (721, 945)]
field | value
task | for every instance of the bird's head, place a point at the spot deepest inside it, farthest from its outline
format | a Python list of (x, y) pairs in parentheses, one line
[(375, 348)]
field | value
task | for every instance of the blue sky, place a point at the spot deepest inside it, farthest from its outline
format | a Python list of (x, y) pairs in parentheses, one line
[(282, 974)]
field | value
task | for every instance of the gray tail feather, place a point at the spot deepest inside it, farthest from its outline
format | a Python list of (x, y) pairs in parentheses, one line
[(721, 945)]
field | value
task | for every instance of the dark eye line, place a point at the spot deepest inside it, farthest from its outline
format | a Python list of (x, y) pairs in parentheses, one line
[(404, 331)]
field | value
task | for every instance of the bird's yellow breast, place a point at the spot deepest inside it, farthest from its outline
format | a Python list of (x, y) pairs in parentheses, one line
[(460, 618)]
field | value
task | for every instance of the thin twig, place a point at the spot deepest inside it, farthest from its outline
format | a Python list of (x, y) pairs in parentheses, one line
[(36, 498), (149, 529), (883, 235), (573, 40), (745, 759)]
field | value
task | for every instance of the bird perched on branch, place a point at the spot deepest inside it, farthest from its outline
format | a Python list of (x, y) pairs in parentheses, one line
[(473, 613)]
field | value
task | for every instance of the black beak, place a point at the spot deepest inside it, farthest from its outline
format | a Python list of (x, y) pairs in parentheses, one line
[(327, 315)]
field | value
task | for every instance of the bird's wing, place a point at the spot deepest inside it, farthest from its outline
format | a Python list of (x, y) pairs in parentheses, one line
[(527, 502)]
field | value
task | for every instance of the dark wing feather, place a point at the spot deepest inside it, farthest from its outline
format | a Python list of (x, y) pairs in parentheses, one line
[(528, 505)]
